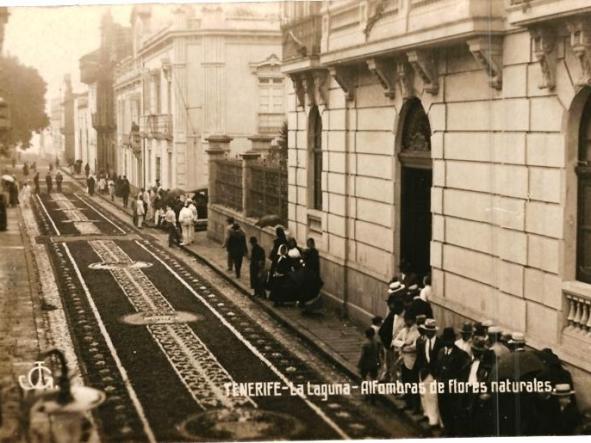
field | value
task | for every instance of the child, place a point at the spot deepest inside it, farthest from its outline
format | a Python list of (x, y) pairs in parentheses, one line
[(368, 362), (376, 324)]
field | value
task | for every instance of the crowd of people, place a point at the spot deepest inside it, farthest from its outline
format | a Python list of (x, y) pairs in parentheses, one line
[(449, 379), (293, 277)]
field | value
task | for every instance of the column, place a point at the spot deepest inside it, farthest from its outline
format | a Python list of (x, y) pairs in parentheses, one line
[(247, 159), (219, 145)]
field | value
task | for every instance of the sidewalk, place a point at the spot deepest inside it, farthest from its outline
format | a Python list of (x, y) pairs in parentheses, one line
[(19, 316), (337, 339)]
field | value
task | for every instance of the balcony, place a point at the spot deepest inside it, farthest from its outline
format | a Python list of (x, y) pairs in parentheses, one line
[(529, 12), (301, 38), (156, 126), (356, 30), (103, 121)]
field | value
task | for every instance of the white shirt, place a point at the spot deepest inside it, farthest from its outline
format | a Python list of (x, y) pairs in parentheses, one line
[(185, 216), (429, 348), (472, 378)]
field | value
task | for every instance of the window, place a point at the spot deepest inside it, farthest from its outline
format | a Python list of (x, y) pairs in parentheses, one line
[(315, 156), (584, 198)]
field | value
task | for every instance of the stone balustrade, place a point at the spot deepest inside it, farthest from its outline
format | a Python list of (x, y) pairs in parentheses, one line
[(579, 313)]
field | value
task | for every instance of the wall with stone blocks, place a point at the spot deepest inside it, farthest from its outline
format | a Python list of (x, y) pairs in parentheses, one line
[(501, 212)]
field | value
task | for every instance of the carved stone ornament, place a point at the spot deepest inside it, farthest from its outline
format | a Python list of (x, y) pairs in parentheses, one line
[(488, 51), (345, 79), (384, 72), (580, 41), (425, 66), (404, 74), (544, 42), (375, 11), (298, 87), (321, 86), (310, 88)]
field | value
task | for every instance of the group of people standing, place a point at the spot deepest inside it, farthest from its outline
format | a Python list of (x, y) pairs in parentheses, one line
[(404, 348), (293, 274)]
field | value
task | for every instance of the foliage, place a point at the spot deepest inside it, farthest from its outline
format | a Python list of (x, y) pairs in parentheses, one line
[(24, 91)]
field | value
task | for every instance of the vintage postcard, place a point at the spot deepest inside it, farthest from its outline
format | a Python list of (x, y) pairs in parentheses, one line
[(295, 220)]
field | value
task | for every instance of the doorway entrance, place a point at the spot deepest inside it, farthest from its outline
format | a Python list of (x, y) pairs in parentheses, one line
[(415, 226), (415, 189)]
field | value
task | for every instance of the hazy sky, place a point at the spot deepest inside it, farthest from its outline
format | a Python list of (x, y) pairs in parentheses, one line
[(52, 39)]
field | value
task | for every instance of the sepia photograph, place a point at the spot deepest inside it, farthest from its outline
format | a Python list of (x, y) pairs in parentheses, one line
[(295, 220)]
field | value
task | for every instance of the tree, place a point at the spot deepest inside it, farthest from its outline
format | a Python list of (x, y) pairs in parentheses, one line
[(24, 90)]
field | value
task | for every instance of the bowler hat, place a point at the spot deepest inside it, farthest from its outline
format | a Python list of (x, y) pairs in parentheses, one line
[(479, 329), (467, 328), (448, 335), (478, 345), (562, 389), (429, 325)]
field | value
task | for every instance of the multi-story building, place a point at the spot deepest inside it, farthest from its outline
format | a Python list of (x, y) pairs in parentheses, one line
[(97, 70), (451, 135), (67, 128), (201, 71), (55, 124), (84, 132)]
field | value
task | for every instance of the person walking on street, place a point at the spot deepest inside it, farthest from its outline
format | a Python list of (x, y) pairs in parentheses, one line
[(237, 247), (90, 185), (134, 204), (58, 181), (13, 193), (111, 185), (49, 182), (229, 224), (87, 170), (125, 190), (405, 345), (465, 340), (257, 268), (140, 211), (36, 182), (3, 218), (186, 220), (170, 224), (388, 331), (25, 195)]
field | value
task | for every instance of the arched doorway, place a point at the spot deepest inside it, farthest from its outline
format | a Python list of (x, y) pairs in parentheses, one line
[(583, 171), (415, 188)]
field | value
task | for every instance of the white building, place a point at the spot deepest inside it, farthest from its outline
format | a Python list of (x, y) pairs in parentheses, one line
[(84, 133), (200, 71)]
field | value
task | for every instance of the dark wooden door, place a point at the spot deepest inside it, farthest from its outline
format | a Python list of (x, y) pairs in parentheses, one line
[(415, 230)]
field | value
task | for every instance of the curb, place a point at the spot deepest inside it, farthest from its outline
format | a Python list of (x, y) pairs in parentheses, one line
[(307, 337)]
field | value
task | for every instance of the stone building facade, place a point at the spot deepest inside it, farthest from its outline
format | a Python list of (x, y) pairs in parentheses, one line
[(451, 134), (200, 71)]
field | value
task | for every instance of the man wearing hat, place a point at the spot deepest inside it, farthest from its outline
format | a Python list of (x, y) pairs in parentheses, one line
[(418, 305), (494, 335), (396, 288), (564, 417), (465, 340), (405, 346), (428, 348), (480, 331), (452, 364), (389, 329)]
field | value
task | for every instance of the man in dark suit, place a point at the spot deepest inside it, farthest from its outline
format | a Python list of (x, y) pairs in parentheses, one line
[(257, 267), (452, 364), (428, 348), (237, 247)]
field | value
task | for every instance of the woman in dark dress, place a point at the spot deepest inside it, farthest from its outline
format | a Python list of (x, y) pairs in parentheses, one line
[(281, 283), (280, 239), (309, 294)]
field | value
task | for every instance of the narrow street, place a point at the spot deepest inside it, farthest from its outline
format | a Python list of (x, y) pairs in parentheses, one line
[(180, 352)]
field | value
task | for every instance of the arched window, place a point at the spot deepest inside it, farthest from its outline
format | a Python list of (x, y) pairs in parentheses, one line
[(315, 157), (584, 198)]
